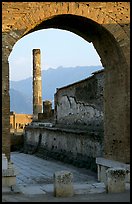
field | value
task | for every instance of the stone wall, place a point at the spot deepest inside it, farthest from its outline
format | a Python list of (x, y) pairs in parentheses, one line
[(5, 110), (77, 136), (80, 105), (71, 146), (107, 26), (17, 141)]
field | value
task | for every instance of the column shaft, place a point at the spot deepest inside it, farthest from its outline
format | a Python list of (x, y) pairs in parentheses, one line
[(37, 84)]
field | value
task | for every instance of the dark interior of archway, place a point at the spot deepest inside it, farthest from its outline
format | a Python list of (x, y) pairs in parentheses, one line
[(103, 41)]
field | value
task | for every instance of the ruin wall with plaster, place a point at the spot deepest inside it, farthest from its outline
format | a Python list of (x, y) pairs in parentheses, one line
[(107, 26), (80, 105), (77, 136)]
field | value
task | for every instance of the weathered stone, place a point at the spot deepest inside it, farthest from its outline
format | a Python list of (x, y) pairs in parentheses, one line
[(47, 106), (9, 175), (115, 181), (63, 186), (80, 105), (37, 84), (108, 29), (104, 164), (76, 146)]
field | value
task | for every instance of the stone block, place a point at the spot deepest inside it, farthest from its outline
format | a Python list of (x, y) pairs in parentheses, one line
[(115, 180), (103, 164), (4, 162), (63, 186), (103, 174), (8, 181), (9, 175)]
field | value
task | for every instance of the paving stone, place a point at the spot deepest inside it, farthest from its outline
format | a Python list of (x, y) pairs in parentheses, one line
[(34, 170), (32, 189), (28, 183)]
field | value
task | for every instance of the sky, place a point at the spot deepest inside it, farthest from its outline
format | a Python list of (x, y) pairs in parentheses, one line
[(58, 48)]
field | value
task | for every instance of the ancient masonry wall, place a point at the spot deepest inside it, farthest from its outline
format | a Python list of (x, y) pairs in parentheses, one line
[(71, 146), (77, 136), (109, 31), (80, 105)]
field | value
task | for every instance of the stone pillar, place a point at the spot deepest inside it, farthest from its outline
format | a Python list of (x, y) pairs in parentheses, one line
[(14, 121), (63, 186), (8, 172), (47, 108), (117, 113), (5, 108), (37, 84), (115, 182)]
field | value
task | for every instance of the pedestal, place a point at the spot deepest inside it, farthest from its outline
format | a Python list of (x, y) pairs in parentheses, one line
[(63, 186), (8, 173), (115, 180)]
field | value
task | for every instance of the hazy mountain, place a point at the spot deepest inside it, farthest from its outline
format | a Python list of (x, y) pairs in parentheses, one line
[(19, 102), (21, 91)]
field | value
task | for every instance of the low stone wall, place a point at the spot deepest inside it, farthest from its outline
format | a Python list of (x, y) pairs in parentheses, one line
[(77, 147)]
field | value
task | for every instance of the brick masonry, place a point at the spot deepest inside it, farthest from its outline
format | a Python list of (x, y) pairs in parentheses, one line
[(107, 26)]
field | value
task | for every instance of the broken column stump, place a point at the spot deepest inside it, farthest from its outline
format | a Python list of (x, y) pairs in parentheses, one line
[(115, 181), (63, 186)]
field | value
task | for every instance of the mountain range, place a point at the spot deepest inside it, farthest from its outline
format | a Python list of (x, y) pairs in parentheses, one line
[(21, 91)]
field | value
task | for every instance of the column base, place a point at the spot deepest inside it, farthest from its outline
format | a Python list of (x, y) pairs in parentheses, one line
[(9, 175)]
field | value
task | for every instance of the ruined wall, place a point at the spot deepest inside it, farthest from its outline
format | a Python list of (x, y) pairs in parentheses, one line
[(107, 26), (48, 112), (17, 141), (71, 146), (80, 105)]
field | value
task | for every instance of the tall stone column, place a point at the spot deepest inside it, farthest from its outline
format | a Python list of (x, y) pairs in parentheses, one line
[(37, 84)]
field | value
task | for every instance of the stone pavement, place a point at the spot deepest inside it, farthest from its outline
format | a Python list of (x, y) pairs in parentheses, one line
[(35, 183)]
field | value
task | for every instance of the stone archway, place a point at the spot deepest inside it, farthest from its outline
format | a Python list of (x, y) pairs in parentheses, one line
[(106, 25)]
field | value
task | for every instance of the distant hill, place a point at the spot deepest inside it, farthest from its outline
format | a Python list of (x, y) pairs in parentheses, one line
[(19, 102), (21, 91)]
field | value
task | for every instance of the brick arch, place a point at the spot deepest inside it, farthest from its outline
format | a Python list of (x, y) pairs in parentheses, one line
[(111, 40), (109, 15)]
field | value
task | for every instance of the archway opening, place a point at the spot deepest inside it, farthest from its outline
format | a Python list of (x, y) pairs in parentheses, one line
[(59, 49), (74, 74), (107, 50), (112, 59), (86, 74)]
